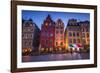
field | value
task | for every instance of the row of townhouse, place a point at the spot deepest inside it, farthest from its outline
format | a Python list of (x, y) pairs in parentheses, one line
[(54, 36)]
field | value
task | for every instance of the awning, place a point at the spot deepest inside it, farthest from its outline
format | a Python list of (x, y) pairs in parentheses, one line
[(75, 46)]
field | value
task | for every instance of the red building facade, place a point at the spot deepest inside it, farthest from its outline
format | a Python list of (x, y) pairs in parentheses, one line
[(47, 36)]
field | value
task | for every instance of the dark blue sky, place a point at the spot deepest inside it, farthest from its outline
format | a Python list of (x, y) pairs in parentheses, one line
[(39, 16)]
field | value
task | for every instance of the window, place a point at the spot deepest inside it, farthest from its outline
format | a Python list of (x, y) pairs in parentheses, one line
[(30, 35), (74, 34), (25, 36), (70, 34), (32, 29), (78, 40), (77, 34), (87, 34), (51, 41), (31, 24), (46, 24), (88, 40), (28, 29), (61, 38), (83, 30), (61, 27), (83, 34), (25, 43), (70, 40), (61, 43), (61, 32), (74, 40), (22, 35), (56, 43), (30, 43), (87, 30), (51, 34), (83, 41)]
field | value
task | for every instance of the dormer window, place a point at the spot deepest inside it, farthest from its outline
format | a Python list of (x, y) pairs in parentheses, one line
[(30, 24)]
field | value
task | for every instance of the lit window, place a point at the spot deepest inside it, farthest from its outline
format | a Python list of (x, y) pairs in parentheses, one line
[(87, 34), (46, 24), (61, 43), (51, 34), (78, 40)]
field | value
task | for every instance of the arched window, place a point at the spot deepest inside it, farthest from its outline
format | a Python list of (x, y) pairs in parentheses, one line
[(74, 34), (70, 34)]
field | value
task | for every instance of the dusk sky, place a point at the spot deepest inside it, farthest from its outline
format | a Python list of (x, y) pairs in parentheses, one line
[(39, 16)]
